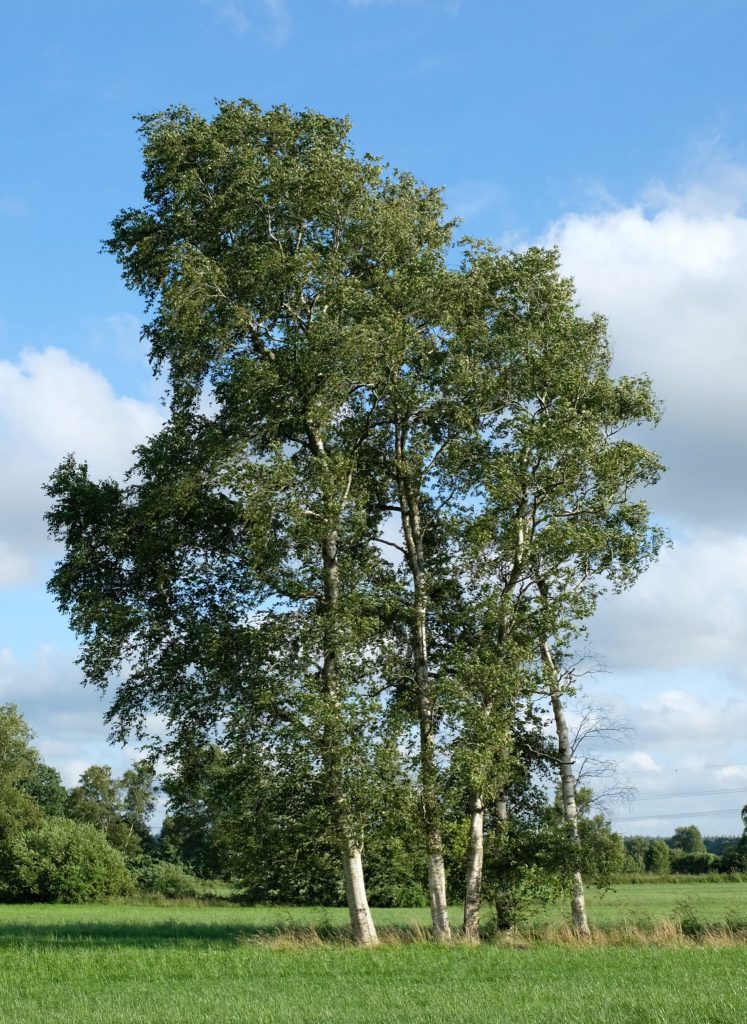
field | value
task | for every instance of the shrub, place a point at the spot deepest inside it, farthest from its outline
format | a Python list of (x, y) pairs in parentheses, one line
[(693, 863), (62, 861), (160, 878)]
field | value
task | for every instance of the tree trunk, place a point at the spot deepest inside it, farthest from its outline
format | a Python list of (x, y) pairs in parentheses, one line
[(568, 792), (361, 922), (504, 916), (434, 843), (473, 888), (413, 534)]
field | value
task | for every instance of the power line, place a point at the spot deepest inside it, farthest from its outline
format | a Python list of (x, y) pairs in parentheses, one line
[(678, 814), (693, 768), (700, 792)]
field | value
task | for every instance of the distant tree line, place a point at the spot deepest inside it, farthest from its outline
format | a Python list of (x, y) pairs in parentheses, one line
[(238, 819), (85, 843), (235, 819), (687, 852)]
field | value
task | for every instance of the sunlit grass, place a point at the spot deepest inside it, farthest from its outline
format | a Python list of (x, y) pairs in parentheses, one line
[(230, 964)]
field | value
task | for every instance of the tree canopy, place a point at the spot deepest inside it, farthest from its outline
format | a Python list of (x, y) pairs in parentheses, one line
[(393, 477)]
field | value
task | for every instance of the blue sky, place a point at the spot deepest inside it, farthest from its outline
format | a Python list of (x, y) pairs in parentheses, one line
[(615, 131)]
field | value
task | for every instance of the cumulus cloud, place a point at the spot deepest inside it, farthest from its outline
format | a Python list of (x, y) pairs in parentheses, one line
[(669, 274), (52, 404), (66, 717), (687, 762), (688, 611)]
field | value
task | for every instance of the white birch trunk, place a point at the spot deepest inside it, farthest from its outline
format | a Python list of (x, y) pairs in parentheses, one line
[(568, 793), (473, 887), (361, 922), (437, 897), (412, 530)]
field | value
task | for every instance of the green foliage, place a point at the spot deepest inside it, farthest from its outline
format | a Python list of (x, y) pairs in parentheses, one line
[(44, 785), (394, 844), (636, 848), (657, 859), (61, 861), (200, 798), (161, 878), (684, 863), (118, 808), (719, 844), (22, 774), (139, 793), (688, 839), (330, 363)]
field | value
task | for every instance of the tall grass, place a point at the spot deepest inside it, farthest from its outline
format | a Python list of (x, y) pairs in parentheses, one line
[(656, 955)]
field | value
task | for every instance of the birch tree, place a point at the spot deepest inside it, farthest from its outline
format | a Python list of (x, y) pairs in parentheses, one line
[(553, 515), (231, 573), (569, 479)]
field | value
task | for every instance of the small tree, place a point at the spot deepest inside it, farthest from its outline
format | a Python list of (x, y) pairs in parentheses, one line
[(657, 857), (688, 839), (97, 801), (21, 772)]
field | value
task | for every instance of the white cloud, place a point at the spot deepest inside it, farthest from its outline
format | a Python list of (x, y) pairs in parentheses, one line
[(66, 716), (688, 611), (687, 762), (679, 717), (52, 404), (638, 761), (669, 274), (270, 18)]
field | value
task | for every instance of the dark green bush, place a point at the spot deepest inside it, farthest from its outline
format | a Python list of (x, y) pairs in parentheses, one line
[(61, 861), (161, 878), (683, 863)]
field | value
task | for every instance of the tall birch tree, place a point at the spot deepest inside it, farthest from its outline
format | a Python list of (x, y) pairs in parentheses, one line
[(232, 573), (569, 473), (551, 514)]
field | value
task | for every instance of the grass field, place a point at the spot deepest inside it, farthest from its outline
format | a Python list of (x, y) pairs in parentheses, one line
[(235, 964)]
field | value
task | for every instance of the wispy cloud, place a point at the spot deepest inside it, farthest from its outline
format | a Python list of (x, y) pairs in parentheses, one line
[(441, 6), (469, 198), (269, 18)]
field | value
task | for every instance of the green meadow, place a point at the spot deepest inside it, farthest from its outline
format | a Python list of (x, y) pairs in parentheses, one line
[(199, 963)]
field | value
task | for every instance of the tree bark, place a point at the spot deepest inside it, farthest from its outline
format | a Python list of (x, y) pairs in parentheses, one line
[(473, 887), (361, 922), (413, 534), (568, 794), (504, 916)]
